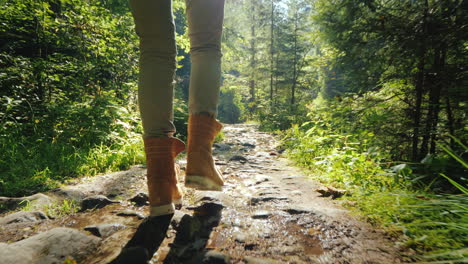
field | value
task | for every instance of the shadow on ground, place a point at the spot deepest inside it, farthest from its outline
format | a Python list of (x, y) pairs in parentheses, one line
[(189, 246)]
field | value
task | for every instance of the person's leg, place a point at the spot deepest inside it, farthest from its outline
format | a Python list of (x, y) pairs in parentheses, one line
[(205, 22), (155, 27)]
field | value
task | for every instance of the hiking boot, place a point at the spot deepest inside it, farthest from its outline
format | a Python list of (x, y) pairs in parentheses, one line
[(163, 192), (201, 172)]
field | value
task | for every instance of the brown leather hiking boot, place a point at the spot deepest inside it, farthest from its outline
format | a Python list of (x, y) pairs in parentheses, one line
[(201, 172), (161, 174)]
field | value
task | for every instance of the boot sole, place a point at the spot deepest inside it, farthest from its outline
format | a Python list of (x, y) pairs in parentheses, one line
[(162, 210), (201, 183)]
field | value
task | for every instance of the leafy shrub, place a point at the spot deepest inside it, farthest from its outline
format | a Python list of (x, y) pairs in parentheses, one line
[(230, 110), (339, 148)]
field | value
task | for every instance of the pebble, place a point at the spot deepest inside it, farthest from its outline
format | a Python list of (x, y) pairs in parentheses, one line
[(261, 214)]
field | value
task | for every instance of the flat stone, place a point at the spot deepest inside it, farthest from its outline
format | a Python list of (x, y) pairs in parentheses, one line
[(216, 257), (238, 158), (23, 217), (53, 246), (96, 202), (252, 260), (38, 199), (130, 213), (260, 199), (140, 199), (104, 230), (261, 214), (297, 210), (249, 145), (221, 146)]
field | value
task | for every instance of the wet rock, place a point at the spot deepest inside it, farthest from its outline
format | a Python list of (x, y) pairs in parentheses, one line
[(249, 145), (140, 199), (130, 213), (208, 208), (221, 146), (297, 210), (331, 191), (261, 199), (96, 202), (104, 230), (216, 257), (23, 217), (53, 246), (252, 260), (238, 158), (175, 221), (261, 214)]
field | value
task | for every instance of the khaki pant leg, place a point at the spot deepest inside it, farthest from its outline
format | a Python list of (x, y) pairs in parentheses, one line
[(205, 22), (155, 27)]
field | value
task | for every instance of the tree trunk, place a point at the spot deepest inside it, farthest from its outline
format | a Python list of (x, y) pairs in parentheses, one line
[(293, 86), (419, 88), (252, 60), (272, 50)]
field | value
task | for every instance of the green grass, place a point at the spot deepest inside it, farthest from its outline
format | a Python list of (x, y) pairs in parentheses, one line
[(434, 225), (32, 168)]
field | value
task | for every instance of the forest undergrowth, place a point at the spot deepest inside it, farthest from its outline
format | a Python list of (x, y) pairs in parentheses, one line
[(421, 203)]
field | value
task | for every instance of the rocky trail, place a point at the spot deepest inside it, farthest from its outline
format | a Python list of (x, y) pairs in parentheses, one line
[(268, 212)]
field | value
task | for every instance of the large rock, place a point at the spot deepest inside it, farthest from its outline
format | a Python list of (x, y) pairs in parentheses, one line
[(34, 201), (51, 247), (22, 217)]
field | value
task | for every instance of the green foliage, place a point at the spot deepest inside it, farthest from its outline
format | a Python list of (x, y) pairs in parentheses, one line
[(339, 145), (73, 140), (64, 208), (231, 109)]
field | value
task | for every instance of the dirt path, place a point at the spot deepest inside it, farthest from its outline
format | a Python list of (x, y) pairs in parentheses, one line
[(269, 212)]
